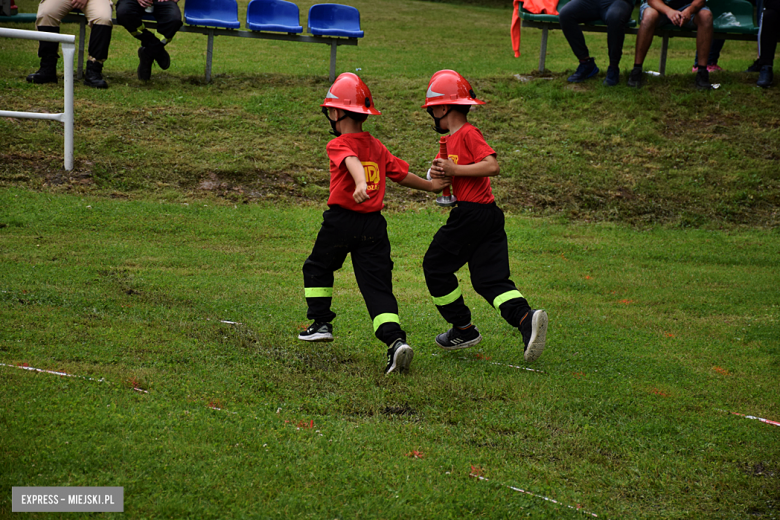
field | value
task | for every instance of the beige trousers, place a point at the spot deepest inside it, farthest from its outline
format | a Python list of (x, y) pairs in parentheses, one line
[(51, 12)]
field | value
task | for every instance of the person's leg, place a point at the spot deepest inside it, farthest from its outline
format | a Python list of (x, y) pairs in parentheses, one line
[(50, 12), (98, 14), (767, 37), (649, 19), (168, 16), (616, 14), (328, 255), (715, 48), (704, 31), (374, 275), (571, 16)]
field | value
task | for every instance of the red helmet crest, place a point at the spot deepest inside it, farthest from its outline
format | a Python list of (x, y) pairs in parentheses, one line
[(447, 87), (349, 93)]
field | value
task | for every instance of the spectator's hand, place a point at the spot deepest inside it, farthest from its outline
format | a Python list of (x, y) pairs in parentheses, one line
[(442, 168), (145, 3), (360, 195), (679, 18), (79, 4)]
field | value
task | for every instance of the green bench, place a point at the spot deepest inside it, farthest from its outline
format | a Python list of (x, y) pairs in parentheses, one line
[(742, 27)]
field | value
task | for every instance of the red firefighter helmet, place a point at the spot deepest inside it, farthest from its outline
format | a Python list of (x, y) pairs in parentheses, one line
[(349, 93), (447, 87)]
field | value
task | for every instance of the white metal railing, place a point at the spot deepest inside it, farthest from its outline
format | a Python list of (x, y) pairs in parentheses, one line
[(68, 51)]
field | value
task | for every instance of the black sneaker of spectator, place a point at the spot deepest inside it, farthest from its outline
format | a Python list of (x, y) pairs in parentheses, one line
[(703, 79), (635, 77), (765, 77), (755, 67), (586, 69)]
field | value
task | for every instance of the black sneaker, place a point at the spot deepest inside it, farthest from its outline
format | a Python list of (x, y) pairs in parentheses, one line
[(765, 77), (533, 327), (585, 70), (399, 357), (456, 338), (317, 331), (613, 77), (703, 80), (635, 78), (755, 67), (162, 58)]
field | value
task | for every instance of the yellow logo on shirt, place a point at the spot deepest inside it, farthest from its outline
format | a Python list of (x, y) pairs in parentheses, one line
[(372, 175), (453, 158)]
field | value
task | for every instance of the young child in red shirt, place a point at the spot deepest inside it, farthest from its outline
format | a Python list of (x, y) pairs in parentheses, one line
[(359, 166), (474, 232)]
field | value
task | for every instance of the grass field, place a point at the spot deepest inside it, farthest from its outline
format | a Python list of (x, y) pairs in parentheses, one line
[(163, 273)]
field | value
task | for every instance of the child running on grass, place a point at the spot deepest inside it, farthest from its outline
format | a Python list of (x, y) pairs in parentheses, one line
[(359, 165), (474, 232)]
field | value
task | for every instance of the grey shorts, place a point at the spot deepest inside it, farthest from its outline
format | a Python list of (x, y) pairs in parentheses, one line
[(664, 20)]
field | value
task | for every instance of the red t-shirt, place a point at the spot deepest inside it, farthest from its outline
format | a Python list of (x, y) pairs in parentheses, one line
[(468, 146), (378, 164)]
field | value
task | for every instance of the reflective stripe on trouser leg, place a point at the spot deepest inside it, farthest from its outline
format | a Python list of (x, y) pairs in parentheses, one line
[(447, 298), (505, 297), (385, 318), (318, 292)]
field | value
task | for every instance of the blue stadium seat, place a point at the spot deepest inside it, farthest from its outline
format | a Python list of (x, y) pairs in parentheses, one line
[(212, 13), (273, 15), (334, 20)]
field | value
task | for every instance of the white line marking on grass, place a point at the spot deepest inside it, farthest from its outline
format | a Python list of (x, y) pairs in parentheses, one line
[(767, 421), (578, 508), (63, 374)]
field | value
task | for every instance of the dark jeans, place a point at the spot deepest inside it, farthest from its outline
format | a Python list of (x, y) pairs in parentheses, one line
[(715, 48), (615, 13)]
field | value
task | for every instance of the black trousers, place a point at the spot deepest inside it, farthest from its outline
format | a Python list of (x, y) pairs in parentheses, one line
[(769, 32), (474, 235), (615, 13), (364, 236), (129, 14)]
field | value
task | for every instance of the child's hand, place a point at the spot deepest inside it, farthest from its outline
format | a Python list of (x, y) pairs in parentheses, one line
[(360, 195), (440, 184), (442, 168)]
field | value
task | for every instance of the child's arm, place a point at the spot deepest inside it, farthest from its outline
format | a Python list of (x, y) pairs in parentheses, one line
[(355, 169), (418, 183), (487, 167)]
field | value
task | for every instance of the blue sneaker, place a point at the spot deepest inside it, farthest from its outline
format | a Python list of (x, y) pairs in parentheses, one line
[(765, 77), (586, 69), (613, 76)]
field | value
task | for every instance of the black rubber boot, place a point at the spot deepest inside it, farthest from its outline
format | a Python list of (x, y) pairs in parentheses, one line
[(93, 76), (47, 52), (145, 63)]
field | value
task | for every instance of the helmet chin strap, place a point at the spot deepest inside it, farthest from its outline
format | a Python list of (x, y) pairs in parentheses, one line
[(332, 122), (437, 119)]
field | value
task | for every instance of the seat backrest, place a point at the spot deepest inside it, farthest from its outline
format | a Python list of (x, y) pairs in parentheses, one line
[(741, 9), (334, 17), (212, 13), (267, 14)]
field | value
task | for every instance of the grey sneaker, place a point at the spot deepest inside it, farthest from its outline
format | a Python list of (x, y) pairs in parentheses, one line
[(456, 338), (533, 327), (635, 78), (317, 331), (399, 357)]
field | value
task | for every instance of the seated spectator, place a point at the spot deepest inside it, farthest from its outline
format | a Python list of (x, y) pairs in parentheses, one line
[(682, 13), (768, 32), (50, 14), (129, 14), (616, 14)]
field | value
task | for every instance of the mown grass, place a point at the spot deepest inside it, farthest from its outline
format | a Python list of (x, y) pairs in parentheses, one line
[(666, 154), (652, 334)]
